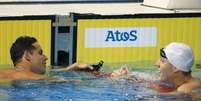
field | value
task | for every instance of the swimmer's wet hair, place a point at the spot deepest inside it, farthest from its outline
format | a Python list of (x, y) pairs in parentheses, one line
[(22, 44)]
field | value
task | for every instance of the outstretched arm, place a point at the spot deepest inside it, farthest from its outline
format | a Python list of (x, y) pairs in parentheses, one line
[(75, 66)]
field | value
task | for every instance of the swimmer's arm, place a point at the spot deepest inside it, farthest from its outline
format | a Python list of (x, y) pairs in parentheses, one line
[(192, 89), (189, 87), (75, 66)]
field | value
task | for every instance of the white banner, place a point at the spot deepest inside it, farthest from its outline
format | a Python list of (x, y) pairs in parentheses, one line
[(120, 37)]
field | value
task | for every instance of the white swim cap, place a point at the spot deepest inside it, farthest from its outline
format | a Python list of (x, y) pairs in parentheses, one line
[(180, 55)]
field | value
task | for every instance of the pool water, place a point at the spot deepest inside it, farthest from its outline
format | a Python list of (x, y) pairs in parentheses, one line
[(84, 87)]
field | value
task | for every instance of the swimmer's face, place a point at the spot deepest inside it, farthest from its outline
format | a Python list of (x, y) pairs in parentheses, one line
[(166, 69), (37, 59)]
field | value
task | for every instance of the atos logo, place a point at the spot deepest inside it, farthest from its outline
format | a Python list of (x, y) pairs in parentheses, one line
[(121, 36)]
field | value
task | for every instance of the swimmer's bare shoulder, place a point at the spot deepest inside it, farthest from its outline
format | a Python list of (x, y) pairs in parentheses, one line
[(6, 73), (12, 74), (190, 86)]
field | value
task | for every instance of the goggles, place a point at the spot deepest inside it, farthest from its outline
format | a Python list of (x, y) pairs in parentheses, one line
[(162, 53)]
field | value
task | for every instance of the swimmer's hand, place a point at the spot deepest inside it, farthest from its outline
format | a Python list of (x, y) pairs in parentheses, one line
[(120, 72), (75, 66)]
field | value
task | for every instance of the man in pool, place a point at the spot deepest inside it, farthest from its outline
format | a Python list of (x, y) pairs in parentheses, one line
[(175, 64), (29, 61)]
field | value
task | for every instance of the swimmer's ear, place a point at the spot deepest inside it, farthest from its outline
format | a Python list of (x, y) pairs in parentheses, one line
[(175, 69), (27, 56)]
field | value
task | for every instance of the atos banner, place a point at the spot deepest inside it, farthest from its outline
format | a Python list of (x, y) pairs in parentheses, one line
[(120, 37)]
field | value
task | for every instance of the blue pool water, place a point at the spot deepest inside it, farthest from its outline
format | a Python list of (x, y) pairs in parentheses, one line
[(83, 87)]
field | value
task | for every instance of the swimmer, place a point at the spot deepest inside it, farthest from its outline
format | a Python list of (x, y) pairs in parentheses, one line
[(29, 61), (175, 64)]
